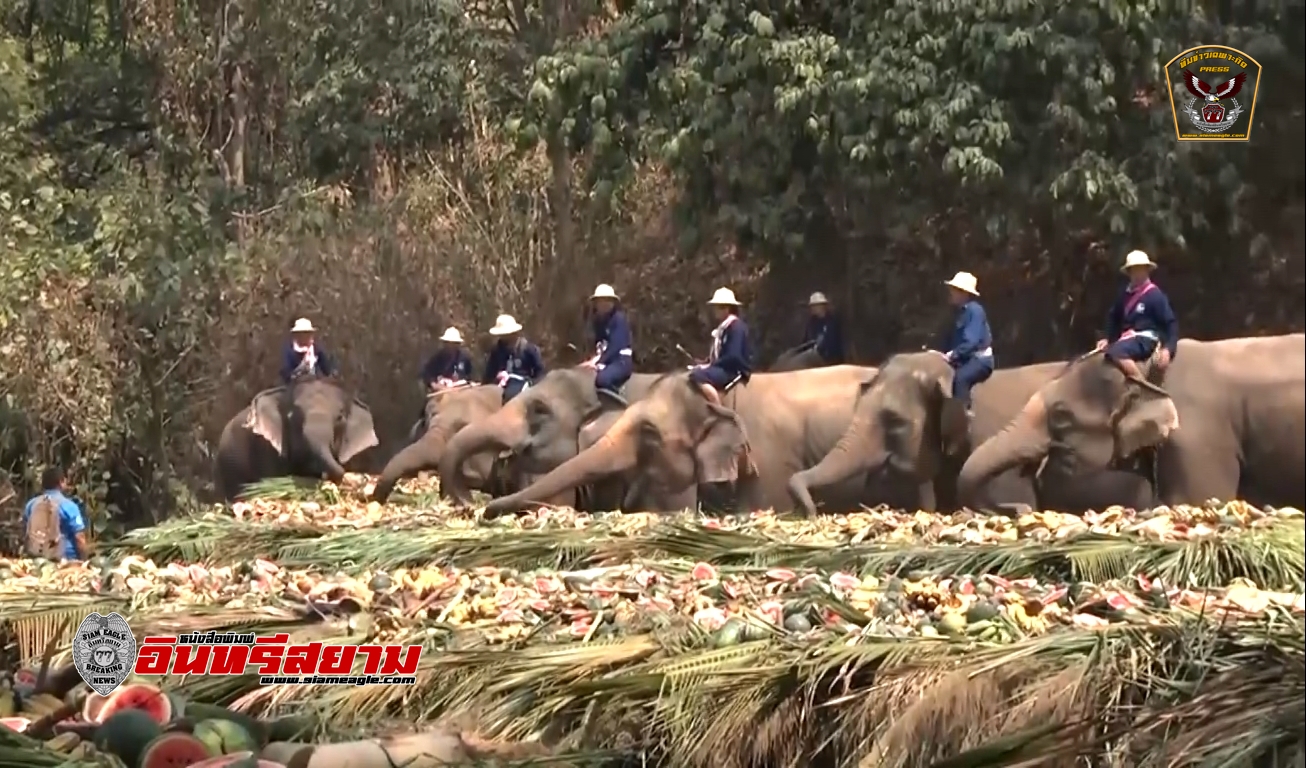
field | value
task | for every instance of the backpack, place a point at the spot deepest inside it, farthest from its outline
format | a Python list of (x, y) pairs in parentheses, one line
[(44, 537)]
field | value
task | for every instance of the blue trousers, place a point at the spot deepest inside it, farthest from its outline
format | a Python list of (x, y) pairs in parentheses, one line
[(513, 387), (1139, 348), (615, 375), (967, 374), (715, 375)]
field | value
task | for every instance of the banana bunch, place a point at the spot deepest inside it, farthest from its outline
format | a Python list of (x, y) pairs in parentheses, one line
[(71, 746), (1030, 624), (9, 704), (39, 705)]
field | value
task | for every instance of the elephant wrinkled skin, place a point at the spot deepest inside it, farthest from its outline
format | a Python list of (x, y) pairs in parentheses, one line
[(677, 440), (448, 411), (311, 427), (906, 421), (544, 427), (1228, 423)]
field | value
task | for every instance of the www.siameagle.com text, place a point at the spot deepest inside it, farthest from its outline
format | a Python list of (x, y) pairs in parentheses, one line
[(338, 680)]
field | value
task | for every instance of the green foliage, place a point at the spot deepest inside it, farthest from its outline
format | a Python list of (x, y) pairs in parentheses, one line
[(776, 112)]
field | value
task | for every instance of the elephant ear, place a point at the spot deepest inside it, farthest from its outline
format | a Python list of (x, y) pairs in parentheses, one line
[(721, 446), (359, 434), (954, 426), (596, 426), (865, 384), (1146, 420), (265, 417)]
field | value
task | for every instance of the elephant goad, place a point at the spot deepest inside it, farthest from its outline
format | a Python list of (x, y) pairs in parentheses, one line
[(448, 412), (545, 426), (311, 427), (906, 422), (1227, 421), (675, 440)]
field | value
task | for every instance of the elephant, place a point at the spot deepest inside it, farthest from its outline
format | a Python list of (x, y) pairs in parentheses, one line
[(776, 424), (545, 426), (310, 427), (907, 422), (798, 358), (447, 412), (1227, 422)]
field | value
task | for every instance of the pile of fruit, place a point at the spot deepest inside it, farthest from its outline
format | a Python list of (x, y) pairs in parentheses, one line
[(140, 725), (592, 603)]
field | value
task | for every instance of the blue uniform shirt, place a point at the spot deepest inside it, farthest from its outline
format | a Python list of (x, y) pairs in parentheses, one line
[(969, 336), (1145, 312), (826, 334), (453, 364), (734, 354), (520, 359), (71, 521), (291, 358), (612, 338)]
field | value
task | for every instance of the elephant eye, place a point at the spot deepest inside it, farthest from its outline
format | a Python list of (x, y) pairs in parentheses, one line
[(1060, 418)]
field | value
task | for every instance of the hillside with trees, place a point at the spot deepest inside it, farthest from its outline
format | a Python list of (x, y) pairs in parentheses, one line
[(179, 181)]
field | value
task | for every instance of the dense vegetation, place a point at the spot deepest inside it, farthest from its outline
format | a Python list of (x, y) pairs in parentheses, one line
[(180, 180)]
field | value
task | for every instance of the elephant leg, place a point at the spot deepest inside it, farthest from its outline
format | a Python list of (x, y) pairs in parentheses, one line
[(1197, 465), (925, 500)]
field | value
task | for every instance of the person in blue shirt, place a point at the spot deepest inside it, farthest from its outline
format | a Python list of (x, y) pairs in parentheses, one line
[(303, 356), (731, 358), (52, 522), (1141, 323), (968, 345), (450, 366), (614, 356), (514, 363), (824, 331)]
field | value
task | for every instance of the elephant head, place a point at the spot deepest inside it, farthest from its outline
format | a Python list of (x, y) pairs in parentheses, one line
[(540, 427), (1085, 420), (905, 420), (314, 424), (672, 438), (448, 412)]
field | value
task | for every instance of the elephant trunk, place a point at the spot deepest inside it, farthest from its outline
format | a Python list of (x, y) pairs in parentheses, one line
[(611, 455), (321, 444), (1024, 441), (861, 449), (421, 455), (503, 431)]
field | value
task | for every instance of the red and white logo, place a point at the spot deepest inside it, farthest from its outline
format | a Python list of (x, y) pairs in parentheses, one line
[(277, 661)]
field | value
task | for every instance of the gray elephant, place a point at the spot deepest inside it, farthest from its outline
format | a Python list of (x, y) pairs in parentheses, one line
[(1229, 423), (907, 422), (774, 425), (310, 427), (448, 411), (545, 426), (798, 358)]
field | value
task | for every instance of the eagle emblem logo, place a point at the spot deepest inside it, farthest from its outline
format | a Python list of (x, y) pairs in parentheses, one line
[(1213, 78)]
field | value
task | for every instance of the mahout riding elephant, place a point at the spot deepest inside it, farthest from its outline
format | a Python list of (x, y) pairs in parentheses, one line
[(774, 425), (448, 411), (310, 427), (1228, 422), (545, 426), (907, 423)]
